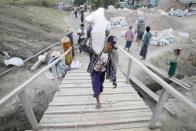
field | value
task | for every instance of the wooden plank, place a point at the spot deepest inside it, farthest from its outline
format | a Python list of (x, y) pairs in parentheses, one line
[(137, 129), (92, 104), (106, 107), (106, 89), (28, 110), (93, 117), (97, 123), (89, 98), (122, 109), (87, 91), (85, 85), (85, 77), (128, 70), (84, 70), (87, 102), (99, 128), (158, 109), (91, 93), (163, 74), (88, 81), (150, 93), (86, 74)]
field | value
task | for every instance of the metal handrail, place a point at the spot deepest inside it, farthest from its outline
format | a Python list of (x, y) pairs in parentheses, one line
[(167, 89), (20, 90)]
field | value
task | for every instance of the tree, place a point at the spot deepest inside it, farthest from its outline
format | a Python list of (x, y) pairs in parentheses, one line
[(79, 2), (103, 3)]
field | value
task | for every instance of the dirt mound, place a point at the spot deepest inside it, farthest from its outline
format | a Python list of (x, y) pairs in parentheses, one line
[(186, 61), (161, 22), (24, 30), (168, 4), (156, 19)]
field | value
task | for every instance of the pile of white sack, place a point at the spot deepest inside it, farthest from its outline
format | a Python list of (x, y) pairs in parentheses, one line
[(162, 38), (111, 8), (178, 12), (118, 21)]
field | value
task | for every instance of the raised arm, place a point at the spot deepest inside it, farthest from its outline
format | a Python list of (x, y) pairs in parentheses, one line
[(86, 48)]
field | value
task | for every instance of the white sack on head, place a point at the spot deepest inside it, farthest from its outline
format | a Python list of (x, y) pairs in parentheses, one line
[(99, 26), (89, 18)]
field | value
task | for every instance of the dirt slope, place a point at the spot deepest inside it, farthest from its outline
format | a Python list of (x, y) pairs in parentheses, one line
[(26, 30), (168, 4)]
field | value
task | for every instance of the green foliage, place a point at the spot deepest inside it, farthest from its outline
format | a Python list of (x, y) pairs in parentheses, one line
[(46, 3), (97, 3), (79, 2), (110, 2)]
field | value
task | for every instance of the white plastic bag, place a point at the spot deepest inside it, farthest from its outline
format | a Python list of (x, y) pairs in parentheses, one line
[(14, 61), (75, 64)]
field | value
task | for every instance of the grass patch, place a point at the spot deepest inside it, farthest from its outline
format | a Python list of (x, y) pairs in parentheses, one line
[(45, 3)]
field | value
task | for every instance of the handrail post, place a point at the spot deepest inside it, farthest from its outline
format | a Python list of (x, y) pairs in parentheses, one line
[(128, 70), (158, 108), (28, 110), (54, 72)]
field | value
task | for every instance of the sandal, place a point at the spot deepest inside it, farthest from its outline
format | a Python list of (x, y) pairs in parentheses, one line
[(114, 85), (98, 106)]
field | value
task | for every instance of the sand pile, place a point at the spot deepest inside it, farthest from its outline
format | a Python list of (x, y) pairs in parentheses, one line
[(168, 4), (156, 19), (160, 22)]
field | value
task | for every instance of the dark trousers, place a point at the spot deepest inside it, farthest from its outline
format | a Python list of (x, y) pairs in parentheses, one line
[(80, 43), (144, 51), (97, 78)]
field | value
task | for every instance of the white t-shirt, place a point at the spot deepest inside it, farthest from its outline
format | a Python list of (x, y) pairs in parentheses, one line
[(83, 36)]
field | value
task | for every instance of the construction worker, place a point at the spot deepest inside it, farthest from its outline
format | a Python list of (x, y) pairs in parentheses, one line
[(173, 63), (146, 42), (140, 29), (129, 37), (81, 35), (112, 50), (69, 33)]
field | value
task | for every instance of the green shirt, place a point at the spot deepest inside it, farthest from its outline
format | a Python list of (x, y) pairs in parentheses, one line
[(172, 68)]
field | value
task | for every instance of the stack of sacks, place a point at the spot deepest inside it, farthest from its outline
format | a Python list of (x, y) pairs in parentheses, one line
[(163, 12), (118, 21), (125, 9), (178, 13), (111, 8), (162, 38)]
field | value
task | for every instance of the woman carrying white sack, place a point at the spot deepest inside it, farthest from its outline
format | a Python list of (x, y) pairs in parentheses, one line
[(98, 64)]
